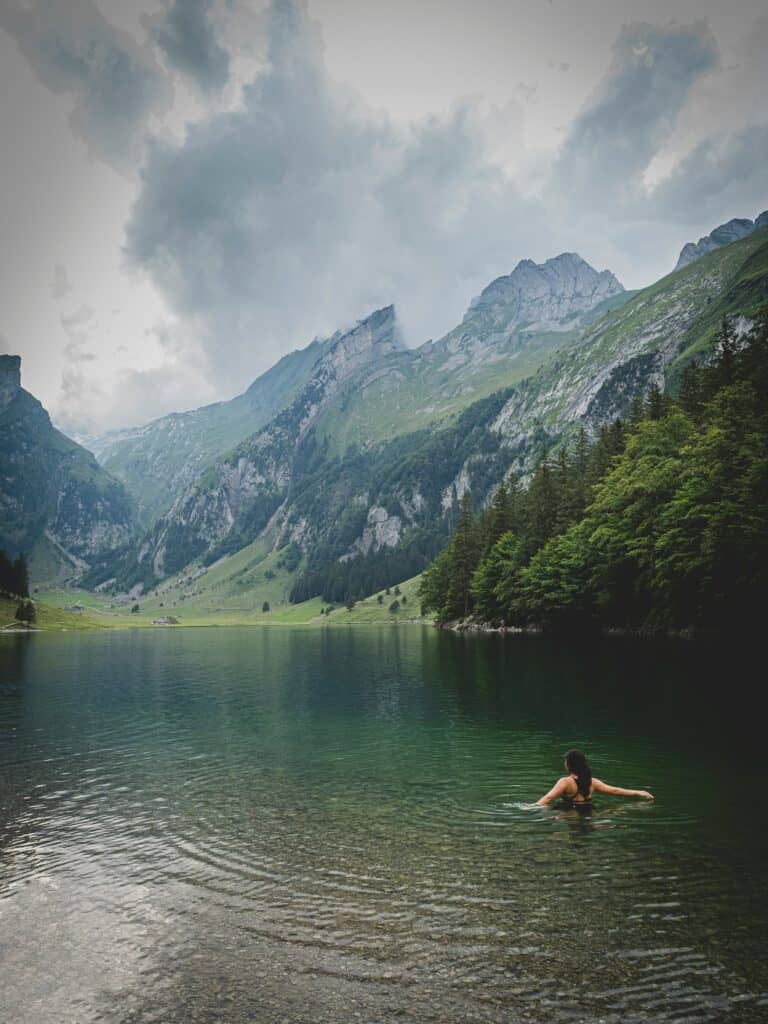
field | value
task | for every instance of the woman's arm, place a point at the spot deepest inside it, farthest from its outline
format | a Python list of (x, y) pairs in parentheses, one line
[(603, 787), (557, 790)]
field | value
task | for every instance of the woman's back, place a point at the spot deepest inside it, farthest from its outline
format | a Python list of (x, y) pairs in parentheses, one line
[(573, 794)]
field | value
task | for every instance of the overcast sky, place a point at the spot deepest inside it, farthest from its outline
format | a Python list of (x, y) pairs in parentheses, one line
[(192, 188)]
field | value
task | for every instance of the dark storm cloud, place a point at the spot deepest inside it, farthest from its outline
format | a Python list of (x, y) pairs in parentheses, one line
[(303, 210), (186, 35), (718, 177), (632, 113), (114, 82)]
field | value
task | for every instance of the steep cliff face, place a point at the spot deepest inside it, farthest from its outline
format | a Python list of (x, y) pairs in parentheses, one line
[(724, 234), (52, 491), (236, 497)]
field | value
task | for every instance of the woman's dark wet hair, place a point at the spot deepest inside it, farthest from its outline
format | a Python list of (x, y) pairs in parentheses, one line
[(577, 765)]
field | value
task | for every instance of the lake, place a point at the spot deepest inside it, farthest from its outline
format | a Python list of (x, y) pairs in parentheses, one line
[(314, 825)]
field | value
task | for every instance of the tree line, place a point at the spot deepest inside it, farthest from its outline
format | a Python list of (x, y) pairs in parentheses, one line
[(661, 522)]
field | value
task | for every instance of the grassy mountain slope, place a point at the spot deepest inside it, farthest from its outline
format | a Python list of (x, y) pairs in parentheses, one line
[(221, 599)]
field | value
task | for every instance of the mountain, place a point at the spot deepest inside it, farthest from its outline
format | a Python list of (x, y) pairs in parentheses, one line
[(156, 462), (509, 331), (56, 503), (355, 517), (732, 231), (541, 296), (235, 498)]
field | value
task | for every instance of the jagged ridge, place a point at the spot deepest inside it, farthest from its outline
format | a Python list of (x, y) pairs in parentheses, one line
[(731, 231)]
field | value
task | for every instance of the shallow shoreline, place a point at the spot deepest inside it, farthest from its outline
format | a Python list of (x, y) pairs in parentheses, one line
[(470, 626)]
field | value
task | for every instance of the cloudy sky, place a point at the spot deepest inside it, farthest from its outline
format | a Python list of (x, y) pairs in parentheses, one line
[(191, 188)]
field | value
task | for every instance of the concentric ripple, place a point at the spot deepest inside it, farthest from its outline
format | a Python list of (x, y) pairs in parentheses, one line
[(244, 825)]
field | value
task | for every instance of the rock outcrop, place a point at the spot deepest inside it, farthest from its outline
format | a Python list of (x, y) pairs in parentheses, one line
[(547, 295), (10, 379), (731, 231)]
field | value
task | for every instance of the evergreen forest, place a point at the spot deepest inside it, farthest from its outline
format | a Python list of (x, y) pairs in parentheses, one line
[(660, 523)]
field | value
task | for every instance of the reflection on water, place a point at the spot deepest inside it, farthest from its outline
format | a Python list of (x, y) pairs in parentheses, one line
[(328, 826)]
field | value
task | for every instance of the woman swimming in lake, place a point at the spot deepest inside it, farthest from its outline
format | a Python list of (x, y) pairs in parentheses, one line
[(579, 784)]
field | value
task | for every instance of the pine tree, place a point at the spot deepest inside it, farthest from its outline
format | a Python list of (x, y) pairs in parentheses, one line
[(691, 394), (26, 612), (655, 403), (6, 574), (725, 368), (463, 560), (499, 517), (20, 577), (540, 506)]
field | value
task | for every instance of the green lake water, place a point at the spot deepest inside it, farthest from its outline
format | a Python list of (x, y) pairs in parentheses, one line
[(330, 825)]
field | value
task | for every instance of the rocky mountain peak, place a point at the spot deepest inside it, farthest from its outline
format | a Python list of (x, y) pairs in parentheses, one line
[(544, 293), (369, 340), (10, 379), (731, 231)]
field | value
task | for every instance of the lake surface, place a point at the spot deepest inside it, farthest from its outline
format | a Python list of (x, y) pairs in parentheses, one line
[(304, 825)]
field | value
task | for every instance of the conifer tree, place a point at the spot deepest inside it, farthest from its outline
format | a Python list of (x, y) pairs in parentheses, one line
[(20, 577), (691, 394), (463, 560)]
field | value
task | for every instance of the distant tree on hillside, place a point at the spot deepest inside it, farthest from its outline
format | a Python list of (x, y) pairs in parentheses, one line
[(265, 606), (26, 612)]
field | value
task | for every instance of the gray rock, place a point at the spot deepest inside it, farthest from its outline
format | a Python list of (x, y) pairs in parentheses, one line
[(731, 231), (10, 379), (546, 294)]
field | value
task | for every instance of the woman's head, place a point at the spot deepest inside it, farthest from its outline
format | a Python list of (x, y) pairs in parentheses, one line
[(576, 764)]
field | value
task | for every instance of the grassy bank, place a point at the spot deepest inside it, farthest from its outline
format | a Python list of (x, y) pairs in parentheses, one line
[(219, 603), (49, 618)]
